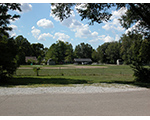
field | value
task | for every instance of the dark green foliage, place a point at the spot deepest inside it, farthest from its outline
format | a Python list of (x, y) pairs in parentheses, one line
[(5, 17), (130, 49), (99, 12), (138, 55), (102, 52), (141, 74), (8, 63), (113, 52), (24, 49), (8, 48), (95, 57), (36, 70), (137, 12), (60, 52), (83, 50)]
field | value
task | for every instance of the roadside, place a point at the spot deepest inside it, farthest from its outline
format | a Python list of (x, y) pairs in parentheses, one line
[(72, 89)]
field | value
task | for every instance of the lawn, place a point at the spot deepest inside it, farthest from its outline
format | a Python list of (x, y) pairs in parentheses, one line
[(60, 76)]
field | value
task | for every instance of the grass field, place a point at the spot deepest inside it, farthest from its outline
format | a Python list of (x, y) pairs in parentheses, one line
[(60, 75)]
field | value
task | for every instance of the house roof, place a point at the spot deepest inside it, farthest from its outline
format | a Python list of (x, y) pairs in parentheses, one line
[(82, 60), (30, 58)]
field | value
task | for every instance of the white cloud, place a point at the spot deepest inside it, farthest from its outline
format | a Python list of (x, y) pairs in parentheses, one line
[(119, 13), (67, 22), (43, 36), (14, 27), (82, 6), (104, 38), (35, 32), (117, 37), (84, 32), (25, 7), (134, 27), (13, 32), (108, 39), (61, 36), (81, 30), (114, 23), (45, 23)]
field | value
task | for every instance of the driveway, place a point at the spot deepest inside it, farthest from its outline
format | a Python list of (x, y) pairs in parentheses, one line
[(131, 103)]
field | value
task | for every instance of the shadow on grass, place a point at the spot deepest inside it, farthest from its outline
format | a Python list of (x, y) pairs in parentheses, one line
[(139, 84), (34, 81), (63, 81)]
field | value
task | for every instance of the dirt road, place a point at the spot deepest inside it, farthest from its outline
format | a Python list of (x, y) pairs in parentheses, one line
[(67, 67)]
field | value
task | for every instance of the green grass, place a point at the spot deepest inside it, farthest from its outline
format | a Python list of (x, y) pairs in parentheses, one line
[(111, 70), (61, 77)]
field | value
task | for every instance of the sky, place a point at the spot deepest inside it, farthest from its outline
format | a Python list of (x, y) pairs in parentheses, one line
[(38, 25)]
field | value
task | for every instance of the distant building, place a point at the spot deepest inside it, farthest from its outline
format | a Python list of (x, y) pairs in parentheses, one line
[(119, 62), (32, 59), (83, 61), (50, 62)]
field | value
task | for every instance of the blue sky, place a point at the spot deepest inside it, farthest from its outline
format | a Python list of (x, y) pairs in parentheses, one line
[(38, 25)]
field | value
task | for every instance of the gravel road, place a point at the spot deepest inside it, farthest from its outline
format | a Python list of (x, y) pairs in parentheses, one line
[(75, 89)]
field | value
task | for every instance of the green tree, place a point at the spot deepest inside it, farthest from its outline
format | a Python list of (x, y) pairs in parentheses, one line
[(5, 17), (101, 50), (100, 12), (24, 49), (83, 50), (144, 51), (8, 48), (37, 50), (113, 52), (8, 63), (137, 13), (60, 52), (127, 49), (69, 53), (139, 55), (95, 55)]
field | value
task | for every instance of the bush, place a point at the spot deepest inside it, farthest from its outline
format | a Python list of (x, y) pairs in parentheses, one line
[(36, 70), (141, 74)]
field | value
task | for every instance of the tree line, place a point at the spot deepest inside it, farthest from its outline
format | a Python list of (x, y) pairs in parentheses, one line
[(130, 48), (133, 47)]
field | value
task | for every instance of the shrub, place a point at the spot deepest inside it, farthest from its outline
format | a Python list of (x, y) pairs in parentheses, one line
[(36, 70), (141, 74)]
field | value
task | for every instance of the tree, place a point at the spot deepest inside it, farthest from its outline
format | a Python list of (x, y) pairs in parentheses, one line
[(37, 49), (113, 52), (95, 55), (8, 63), (8, 48), (24, 49), (83, 50), (129, 43), (137, 13), (60, 52), (102, 53), (99, 12), (137, 53), (5, 17), (69, 53)]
